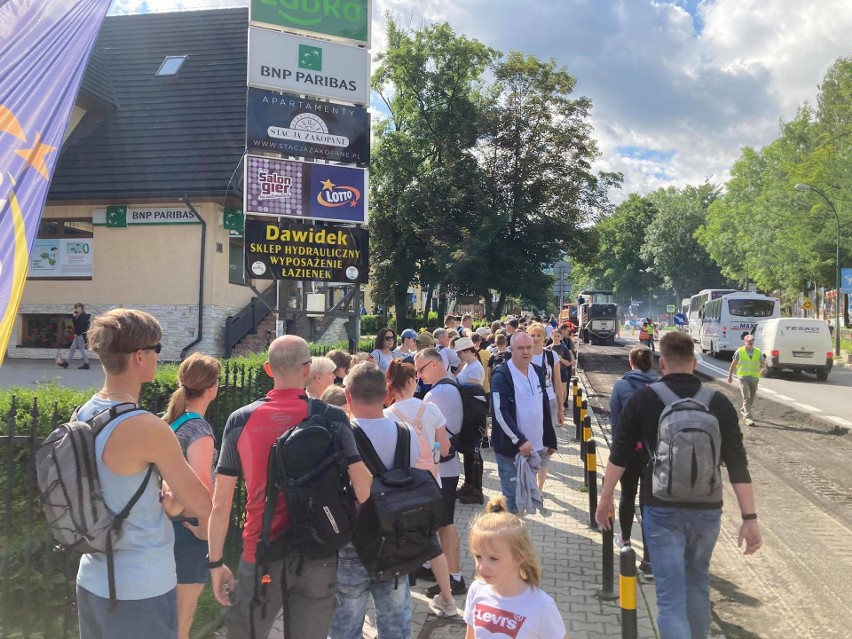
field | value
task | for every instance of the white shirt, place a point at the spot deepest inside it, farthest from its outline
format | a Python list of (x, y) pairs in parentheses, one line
[(382, 434), (432, 418), (472, 373), (541, 360), (448, 400), (529, 410), (530, 615), (451, 360)]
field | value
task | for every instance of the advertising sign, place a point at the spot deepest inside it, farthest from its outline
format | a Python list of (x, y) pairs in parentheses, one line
[(344, 19), (300, 189), (61, 258), (291, 251), (283, 123), (123, 216), (846, 281), (285, 62)]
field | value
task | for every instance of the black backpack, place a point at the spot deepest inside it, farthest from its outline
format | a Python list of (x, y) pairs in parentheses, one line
[(307, 465), (499, 358), (474, 416), (395, 528)]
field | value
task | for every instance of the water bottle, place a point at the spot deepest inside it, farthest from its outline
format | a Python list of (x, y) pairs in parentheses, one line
[(436, 452)]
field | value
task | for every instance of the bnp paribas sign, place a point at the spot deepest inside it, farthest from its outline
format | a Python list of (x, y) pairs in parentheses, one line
[(286, 62), (347, 20)]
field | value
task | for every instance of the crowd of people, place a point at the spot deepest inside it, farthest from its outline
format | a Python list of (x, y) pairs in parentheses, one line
[(415, 383)]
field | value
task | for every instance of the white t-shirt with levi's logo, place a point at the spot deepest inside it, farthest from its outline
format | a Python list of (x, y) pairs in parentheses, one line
[(530, 615)]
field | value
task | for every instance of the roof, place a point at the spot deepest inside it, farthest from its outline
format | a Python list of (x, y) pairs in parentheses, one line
[(163, 136)]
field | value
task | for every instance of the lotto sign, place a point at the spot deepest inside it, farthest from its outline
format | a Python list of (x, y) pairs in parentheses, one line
[(344, 19), (292, 251), (289, 188), (285, 62)]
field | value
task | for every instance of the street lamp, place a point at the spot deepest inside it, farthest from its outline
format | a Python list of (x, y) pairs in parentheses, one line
[(808, 187)]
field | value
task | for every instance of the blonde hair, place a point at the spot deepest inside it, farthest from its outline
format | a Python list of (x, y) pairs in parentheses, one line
[(196, 374), (334, 395), (538, 326), (498, 523), (118, 333), (320, 366)]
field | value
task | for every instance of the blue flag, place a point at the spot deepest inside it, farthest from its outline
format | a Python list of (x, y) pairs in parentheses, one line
[(44, 47)]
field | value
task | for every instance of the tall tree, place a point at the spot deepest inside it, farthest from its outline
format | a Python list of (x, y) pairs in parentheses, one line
[(537, 156), (430, 81)]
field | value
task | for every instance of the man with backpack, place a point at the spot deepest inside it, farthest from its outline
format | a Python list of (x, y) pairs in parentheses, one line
[(520, 415), (689, 430), (126, 586), (309, 577), (447, 397), (366, 388)]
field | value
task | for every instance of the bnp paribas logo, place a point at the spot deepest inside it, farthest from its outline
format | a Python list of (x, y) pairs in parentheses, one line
[(310, 57)]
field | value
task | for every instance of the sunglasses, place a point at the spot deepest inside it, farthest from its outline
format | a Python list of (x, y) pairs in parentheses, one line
[(389, 338), (156, 348)]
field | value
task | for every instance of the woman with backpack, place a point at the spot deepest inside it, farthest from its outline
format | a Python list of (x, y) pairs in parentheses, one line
[(429, 423), (641, 362), (198, 378)]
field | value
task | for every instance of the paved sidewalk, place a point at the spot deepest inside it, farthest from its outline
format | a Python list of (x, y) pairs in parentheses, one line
[(31, 372), (570, 554)]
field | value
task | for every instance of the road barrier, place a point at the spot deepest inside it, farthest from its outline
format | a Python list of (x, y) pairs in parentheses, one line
[(592, 480), (607, 591), (627, 593)]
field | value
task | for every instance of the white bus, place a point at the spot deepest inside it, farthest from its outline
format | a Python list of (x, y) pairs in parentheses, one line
[(727, 318), (696, 308)]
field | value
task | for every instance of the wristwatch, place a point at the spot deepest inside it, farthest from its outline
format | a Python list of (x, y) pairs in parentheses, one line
[(749, 517), (215, 564)]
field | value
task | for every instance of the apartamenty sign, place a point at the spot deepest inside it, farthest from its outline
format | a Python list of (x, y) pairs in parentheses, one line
[(303, 190), (286, 62), (291, 251), (284, 123), (347, 20)]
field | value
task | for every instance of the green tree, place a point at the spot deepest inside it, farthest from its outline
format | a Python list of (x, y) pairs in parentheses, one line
[(430, 81), (536, 155)]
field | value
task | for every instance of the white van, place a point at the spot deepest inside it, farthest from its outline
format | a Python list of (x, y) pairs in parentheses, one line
[(795, 344)]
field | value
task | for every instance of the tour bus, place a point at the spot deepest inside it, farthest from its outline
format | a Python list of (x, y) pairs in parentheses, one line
[(725, 319), (696, 308)]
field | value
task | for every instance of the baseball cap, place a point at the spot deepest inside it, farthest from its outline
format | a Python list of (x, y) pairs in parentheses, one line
[(483, 331), (408, 333)]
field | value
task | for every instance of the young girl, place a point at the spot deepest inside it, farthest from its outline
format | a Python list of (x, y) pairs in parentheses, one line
[(505, 600)]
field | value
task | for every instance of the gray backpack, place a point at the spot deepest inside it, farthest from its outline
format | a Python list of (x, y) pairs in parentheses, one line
[(71, 498), (685, 465)]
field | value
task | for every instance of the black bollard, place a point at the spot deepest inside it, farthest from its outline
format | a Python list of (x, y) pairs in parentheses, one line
[(578, 398), (627, 593), (592, 479), (584, 446), (607, 592)]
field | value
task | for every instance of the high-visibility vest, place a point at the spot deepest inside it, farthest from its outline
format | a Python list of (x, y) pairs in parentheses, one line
[(643, 332), (748, 366)]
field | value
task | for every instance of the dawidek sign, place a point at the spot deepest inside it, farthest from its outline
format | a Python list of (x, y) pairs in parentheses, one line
[(285, 62), (288, 124), (344, 19), (290, 251)]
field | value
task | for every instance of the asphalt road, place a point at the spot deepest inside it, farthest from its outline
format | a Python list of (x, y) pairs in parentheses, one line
[(800, 583)]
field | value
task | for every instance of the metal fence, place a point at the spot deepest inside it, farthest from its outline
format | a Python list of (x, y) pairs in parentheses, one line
[(37, 581)]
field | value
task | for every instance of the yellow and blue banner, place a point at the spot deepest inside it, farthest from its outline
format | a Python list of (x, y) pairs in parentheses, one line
[(44, 48)]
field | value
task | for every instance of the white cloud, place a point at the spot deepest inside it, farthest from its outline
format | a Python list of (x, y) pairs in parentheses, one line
[(689, 81)]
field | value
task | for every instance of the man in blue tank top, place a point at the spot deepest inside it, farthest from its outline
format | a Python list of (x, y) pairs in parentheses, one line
[(128, 345)]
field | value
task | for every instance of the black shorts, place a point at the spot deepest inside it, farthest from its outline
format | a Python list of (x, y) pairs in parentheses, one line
[(449, 485)]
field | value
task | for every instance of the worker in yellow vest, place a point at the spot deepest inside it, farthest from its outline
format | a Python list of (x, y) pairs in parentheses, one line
[(750, 364)]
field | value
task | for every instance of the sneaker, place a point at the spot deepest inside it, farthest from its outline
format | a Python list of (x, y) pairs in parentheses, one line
[(749, 422), (423, 572), (63, 364), (457, 586), (620, 543), (465, 491), (473, 496), (645, 570), (441, 609), (84, 367)]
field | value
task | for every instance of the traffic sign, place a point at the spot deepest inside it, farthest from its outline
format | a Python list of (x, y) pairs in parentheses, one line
[(808, 305), (670, 308)]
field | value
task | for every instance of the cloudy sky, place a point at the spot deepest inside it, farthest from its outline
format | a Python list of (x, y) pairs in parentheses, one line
[(678, 86)]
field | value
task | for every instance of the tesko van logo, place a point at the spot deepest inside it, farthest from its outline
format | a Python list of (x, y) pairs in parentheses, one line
[(310, 57), (332, 195)]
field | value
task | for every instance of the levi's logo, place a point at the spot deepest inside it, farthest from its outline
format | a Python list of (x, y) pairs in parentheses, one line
[(498, 622)]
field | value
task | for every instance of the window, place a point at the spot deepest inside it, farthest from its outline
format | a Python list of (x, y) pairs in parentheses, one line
[(56, 229), (751, 308), (236, 252), (171, 65), (46, 331)]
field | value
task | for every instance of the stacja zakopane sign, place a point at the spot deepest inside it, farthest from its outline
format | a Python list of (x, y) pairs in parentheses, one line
[(295, 189), (285, 62)]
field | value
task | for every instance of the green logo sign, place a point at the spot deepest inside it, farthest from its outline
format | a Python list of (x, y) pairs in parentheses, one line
[(670, 308), (310, 58), (116, 216), (346, 19)]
